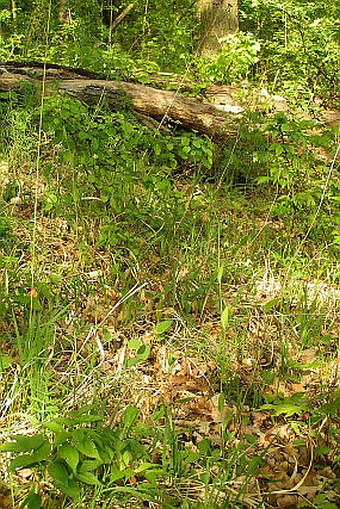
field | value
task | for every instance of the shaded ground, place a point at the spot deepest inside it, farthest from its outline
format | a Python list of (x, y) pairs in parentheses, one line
[(254, 384)]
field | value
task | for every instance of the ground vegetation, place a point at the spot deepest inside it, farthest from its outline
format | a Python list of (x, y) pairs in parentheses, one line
[(169, 295)]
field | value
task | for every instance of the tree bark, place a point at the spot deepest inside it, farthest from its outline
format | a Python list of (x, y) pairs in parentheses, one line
[(161, 105), (218, 18), (63, 12)]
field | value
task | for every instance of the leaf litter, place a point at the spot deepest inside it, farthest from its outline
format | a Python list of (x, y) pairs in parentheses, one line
[(297, 455)]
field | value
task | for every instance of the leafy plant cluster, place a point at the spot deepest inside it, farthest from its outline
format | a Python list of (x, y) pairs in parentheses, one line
[(300, 174), (233, 62), (303, 34), (291, 159), (299, 45), (118, 460), (127, 168), (82, 451)]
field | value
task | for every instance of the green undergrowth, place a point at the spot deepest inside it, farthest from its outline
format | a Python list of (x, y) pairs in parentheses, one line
[(121, 246), (169, 305)]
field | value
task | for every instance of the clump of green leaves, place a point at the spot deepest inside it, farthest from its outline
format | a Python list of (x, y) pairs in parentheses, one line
[(124, 168), (77, 450), (293, 166), (233, 61), (291, 160), (299, 45)]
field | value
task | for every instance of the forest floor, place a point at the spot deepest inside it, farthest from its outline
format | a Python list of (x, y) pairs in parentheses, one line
[(226, 342)]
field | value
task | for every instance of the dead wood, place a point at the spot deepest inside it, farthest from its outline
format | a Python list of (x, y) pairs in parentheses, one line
[(163, 106)]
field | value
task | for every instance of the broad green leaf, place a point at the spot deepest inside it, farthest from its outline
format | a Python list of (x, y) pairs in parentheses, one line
[(162, 327), (86, 418), (115, 474), (192, 458), (64, 420), (158, 414), (32, 501), (11, 447), (288, 406), (78, 434), (70, 455), (41, 454), (133, 362), (88, 478), (130, 416), (107, 454), (153, 475), (54, 426), (72, 489), (89, 466), (61, 437), (22, 443), (143, 352), (86, 447), (59, 473), (134, 344), (145, 466), (126, 458), (96, 437), (142, 355), (263, 180), (83, 410), (321, 501), (128, 472), (225, 318)]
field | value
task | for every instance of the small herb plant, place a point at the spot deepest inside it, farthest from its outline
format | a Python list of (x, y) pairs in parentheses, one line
[(78, 450)]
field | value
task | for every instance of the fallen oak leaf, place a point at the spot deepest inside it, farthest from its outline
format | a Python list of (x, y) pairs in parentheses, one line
[(300, 483), (287, 501)]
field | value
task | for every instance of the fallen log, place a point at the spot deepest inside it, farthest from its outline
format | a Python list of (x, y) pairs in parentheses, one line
[(164, 106)]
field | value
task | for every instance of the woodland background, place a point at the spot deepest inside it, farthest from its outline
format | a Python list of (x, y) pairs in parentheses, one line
[(169, 254)]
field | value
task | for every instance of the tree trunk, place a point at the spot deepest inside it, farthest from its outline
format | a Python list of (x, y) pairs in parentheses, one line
[(63, 12), (153, 106), (218, 18)]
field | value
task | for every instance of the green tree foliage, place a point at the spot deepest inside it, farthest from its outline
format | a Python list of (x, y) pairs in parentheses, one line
[(158, 34), (299, 41)]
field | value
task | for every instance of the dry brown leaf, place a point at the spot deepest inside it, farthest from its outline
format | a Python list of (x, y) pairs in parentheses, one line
[(32, 293), (25, 473), (259, 418), (285, 432), (308, 356), (287, 501), (267, 438)]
